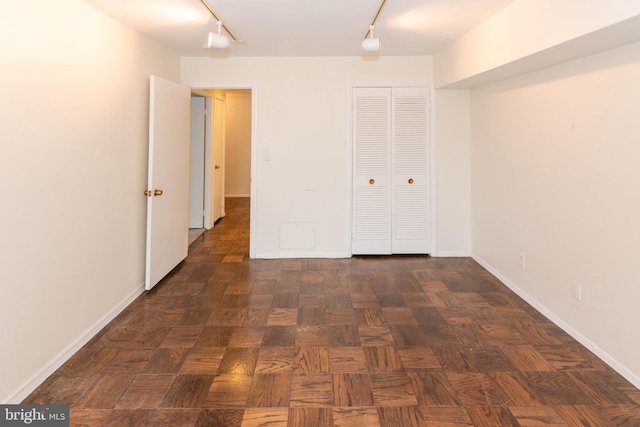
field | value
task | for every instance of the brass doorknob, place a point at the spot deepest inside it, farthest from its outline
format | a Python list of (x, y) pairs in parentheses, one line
[(157, 192), (372, 181), (217, 166), (147, 193), (410, 180)]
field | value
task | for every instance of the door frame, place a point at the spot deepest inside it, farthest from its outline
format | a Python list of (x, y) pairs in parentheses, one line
[(201, 157), (253, 87), (432, 154), (222, 144)]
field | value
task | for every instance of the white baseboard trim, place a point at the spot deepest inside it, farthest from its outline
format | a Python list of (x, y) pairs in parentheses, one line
[(594, 348), (451, 254), (58, 361), (285, 255)]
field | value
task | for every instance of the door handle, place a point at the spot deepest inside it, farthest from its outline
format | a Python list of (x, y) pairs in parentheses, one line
[(217, 166), (410, 181), (372, 181), (155, 192)]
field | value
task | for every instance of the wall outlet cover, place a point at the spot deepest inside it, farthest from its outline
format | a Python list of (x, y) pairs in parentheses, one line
[(576, 290)]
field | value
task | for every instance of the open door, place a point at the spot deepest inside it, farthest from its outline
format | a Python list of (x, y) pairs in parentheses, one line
[(197, 161), (218, 158), (168, 183)]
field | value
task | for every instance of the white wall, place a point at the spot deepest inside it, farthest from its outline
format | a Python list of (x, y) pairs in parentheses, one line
[(74, 128), (238, 144), (303, 127), (554, 176), (453, 127)]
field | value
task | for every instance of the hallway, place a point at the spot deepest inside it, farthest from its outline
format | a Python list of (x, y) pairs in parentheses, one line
[(368, 341)]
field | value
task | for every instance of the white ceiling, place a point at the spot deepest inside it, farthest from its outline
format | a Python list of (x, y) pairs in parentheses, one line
[(302, 27)]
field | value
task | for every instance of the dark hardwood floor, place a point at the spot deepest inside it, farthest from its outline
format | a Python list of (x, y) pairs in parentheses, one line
[(368, 341)]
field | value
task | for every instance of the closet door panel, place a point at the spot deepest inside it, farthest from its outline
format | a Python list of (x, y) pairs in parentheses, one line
[(411, 171), (372, 167)]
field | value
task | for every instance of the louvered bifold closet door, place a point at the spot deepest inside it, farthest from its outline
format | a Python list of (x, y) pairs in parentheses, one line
[(371, 171), (411, 171)]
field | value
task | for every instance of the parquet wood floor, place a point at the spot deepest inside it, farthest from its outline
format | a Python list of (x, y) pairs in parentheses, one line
[(368, 341)]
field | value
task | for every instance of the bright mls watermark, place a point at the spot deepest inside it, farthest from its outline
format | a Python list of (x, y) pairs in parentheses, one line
[(34, 415)]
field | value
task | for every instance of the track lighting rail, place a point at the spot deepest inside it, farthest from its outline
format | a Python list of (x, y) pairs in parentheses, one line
[(219, 20), (374, 18)]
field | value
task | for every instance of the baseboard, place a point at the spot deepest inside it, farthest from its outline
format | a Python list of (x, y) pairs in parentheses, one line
[(593, 347), (451, 254), (58, 361), (237, 195), (284, 255)]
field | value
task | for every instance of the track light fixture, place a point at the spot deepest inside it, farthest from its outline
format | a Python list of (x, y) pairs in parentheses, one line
[(218, 39), (372, 44)]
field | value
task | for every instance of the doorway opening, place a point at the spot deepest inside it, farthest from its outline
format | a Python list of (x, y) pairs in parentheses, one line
[(222, 150)]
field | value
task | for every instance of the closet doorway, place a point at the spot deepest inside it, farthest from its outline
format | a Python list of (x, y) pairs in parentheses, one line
[(392, 182)]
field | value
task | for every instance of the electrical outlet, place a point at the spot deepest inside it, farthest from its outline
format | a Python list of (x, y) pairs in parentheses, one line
[(521, 260), (576, 290)]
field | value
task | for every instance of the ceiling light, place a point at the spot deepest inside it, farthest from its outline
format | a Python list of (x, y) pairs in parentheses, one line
[(218, 39), (371, 44)]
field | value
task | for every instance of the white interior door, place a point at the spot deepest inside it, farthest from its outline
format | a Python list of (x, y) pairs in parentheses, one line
[(371, 171), (196, 186), (411, 207), (168, 181), (218, 158), (391, 171)]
